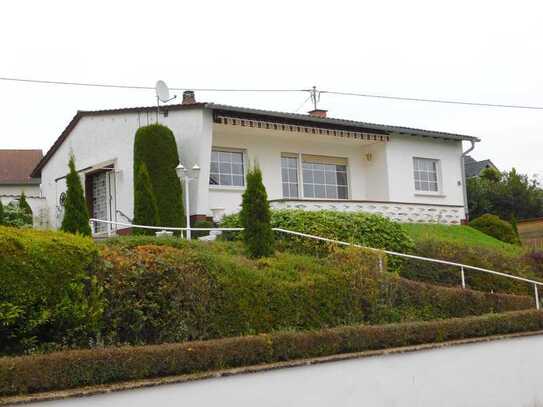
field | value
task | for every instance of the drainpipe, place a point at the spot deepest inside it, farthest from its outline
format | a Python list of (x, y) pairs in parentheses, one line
[(464, 186)]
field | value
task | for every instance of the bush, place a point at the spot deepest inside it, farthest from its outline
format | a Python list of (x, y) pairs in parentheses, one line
[(1, 213), (14, 216), (48, 294), (23, 204), (155, 147), (361, 228), (145, 203), (197, 290), (201, 224), (495, 227), (71, 369), (76, 213), (477, 256), (255, 217)]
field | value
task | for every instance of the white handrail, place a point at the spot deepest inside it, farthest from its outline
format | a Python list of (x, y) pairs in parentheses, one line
[(339, 242)]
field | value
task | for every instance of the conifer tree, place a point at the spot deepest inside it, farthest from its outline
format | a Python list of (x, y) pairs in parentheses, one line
[(76, 214), (23, 204), (1, 213), (255, 217), (145, 203)]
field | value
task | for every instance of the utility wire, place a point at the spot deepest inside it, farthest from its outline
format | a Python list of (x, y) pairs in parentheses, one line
[(330, 92), (452, 102), (109, 85)]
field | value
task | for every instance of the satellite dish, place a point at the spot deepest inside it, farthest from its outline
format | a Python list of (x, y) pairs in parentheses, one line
[(162, 91)]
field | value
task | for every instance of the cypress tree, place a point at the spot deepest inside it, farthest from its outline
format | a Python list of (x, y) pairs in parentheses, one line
[(1, 213), (155, 146), (23, 204), (76, 214), (255, 217), (145, 204)]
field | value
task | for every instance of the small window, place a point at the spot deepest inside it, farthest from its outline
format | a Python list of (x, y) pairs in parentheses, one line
[(325, 177), (227, 168), (289, 175), (426, 175)]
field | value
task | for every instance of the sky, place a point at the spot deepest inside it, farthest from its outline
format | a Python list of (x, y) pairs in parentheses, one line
[(484, 51)]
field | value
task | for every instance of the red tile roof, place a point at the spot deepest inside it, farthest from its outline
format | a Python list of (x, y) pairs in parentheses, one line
[(16, 166)]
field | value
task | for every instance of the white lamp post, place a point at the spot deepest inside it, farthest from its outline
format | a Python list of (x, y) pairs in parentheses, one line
[(186, 177)]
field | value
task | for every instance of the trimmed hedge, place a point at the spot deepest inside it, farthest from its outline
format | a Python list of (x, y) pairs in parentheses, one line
[(353, 227), (197, 290), (63, 370), (48, 292), (493, 226), (155, 146)]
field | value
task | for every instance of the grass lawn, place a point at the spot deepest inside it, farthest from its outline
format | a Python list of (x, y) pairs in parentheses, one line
[(458, 233)]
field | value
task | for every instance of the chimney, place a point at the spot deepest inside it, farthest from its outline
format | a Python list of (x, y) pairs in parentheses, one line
[(317, 113), (188, 97)]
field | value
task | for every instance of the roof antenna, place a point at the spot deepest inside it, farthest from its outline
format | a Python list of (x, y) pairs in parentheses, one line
[(315, 97), (162, 95)]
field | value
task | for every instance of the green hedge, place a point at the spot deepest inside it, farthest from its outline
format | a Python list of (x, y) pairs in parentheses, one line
[(493, 226), (353, 227), (48, 293), (199, 290), (63, 370), (478, 256)]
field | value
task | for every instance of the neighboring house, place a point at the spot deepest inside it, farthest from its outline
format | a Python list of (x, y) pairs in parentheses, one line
[(308, 162), (15, 169), (531, 232), (474, 168)]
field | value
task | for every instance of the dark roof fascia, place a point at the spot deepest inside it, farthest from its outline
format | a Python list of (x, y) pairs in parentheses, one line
[(347, 124)]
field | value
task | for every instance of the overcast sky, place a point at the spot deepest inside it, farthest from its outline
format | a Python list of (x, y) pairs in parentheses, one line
[(487, 51)]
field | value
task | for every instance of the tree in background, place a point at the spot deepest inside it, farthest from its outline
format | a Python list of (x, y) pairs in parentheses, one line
[(508, 195), (1, 213), (255, 216), (23, 204), (155, 147), (145, 203), (76, 214)]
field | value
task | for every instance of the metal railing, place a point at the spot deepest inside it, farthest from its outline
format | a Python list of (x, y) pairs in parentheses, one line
[(462, 267)]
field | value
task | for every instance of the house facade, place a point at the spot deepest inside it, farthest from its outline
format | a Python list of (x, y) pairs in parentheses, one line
[(308, 162), (15, 169)]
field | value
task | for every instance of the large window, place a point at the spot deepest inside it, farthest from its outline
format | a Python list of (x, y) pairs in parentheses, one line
[(324, 177), (227, 168), (289, 175), (426, 174)]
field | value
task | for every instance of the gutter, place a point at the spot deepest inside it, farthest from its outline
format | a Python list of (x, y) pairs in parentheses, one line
[(464, 186)]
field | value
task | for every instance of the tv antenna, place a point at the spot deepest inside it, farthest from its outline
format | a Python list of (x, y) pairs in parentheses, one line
[(162, 95), (315, 96)]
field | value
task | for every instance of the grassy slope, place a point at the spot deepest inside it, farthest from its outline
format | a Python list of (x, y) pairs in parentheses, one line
[(461, 234)]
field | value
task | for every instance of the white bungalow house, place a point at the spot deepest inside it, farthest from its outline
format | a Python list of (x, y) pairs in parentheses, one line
[(308, 161)]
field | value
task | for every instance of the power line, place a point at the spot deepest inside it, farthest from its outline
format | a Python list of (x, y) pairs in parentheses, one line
[(443, 101), (109, 85), (313, 91)]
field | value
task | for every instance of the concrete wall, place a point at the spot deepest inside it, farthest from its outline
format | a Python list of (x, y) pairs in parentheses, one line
[(502, 373)]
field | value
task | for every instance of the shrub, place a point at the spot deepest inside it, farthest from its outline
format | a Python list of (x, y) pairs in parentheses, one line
[(255, 217), (16, 217), (197, 290), (361, 228), (145, 203), (49, 294), (478, 256), (155, 147), (201, 224), (76, 213), (71, 369), (495, 227), (23, 204)]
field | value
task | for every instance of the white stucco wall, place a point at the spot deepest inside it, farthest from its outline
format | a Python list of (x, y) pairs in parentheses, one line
[(399, 157), (503, 373)]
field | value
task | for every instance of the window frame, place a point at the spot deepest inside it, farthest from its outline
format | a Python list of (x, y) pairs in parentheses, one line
[(299, 179), (345, 162), (244, 170), (439, 180)]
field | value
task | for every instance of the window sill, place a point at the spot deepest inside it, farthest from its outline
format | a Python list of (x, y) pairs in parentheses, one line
[(226, 188), (435, 195)]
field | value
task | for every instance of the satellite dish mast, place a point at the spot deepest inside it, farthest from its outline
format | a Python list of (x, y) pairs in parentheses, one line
[(162, 95)]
